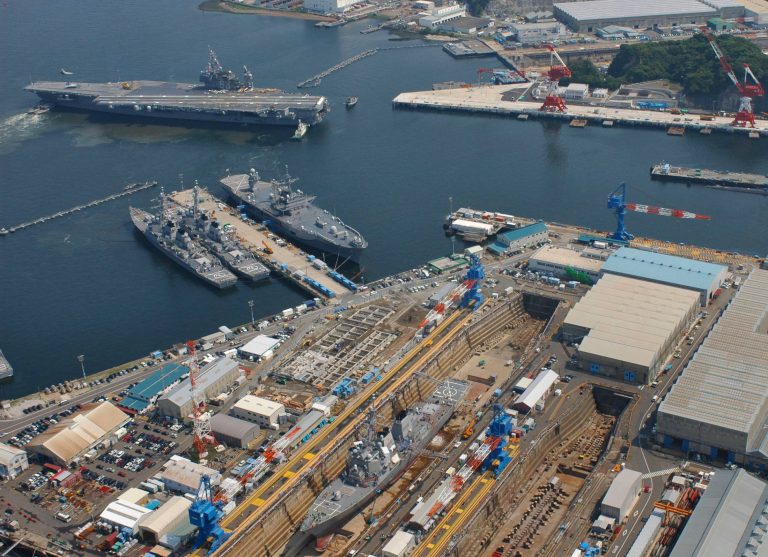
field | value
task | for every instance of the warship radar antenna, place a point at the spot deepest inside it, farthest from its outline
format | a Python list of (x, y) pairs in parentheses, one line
[(195, 200), (247, 78)]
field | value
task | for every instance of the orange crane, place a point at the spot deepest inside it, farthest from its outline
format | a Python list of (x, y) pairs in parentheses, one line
[(202, 435), (553, 102), (267, 248), (467, 433), (745, 116)]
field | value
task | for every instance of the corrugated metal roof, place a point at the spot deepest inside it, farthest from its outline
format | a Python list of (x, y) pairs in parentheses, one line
[(726, 382), (158, 381), (166, 516), (258, 405), (625, 9), (259, 345), (231, 426), (523, 232), (209, 374), (544, 380), (630, 320), (623, 485), (8, 453), (659, 267), (566, 257), (726, 517)]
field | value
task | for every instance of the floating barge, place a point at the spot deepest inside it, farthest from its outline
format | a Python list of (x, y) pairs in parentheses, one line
[(740, 181)]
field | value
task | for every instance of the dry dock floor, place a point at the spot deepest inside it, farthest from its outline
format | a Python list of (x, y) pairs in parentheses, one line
[(253, 238)]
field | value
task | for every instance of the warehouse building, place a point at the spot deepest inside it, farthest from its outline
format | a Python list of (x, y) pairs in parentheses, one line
[(442, 14), (704, 278), (535, 395), (537, 33), (589, 16), (142, 395), (328, 6), (260, 347), (71, 438), (181, 475), (401, 544), (13, 461), (215, 378), (232, 431), (134, 495), (565, 263), (124, 515), (718, 406), (729, 519), (258, 410), (515, 241), (627, 328), (622, 495), (171, 516)]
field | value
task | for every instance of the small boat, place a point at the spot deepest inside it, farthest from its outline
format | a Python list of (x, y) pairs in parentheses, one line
[(39, 109), (65, 72), (301, 130), (351, 101)]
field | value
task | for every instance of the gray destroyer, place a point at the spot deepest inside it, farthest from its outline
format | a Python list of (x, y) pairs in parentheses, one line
[(217, 239), (290, 212), (6, 370), (375, 462), (219, 98), (173, 239)]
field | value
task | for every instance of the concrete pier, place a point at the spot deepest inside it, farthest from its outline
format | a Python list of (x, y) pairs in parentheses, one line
[(500, 100)]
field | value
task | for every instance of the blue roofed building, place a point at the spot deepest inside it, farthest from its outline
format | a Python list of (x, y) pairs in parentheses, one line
[(704, 278), (515, 241), (143, 394)]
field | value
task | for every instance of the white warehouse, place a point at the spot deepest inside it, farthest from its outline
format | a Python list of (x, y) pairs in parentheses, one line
[(258, 410)]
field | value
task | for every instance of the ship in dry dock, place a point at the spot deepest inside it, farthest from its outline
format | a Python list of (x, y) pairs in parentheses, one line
[(220, 98)]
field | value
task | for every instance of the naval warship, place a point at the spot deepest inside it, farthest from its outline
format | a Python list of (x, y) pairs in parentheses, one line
[(173, 239), (219, 98), (375, 462), (290, 212), (218, 241), (6, 370)]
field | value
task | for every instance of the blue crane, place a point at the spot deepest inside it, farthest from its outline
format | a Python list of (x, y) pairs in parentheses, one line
[(205, 513), (618, 200), (473, 279)]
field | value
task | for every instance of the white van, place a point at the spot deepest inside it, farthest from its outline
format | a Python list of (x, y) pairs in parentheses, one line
[(63, 517)]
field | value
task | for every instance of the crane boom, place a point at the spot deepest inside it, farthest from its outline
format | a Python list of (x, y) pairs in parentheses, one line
[(664, 212), (723, 60)]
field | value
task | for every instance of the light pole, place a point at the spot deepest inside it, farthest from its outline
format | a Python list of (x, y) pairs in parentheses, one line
[(81, 359), (250, 305)]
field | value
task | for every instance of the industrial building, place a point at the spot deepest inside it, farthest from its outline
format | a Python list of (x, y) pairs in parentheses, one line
[(124, 515), (145, 393), (576, 91), (729, 519), (627, 328), (71, 438), (515, 241), (134, 495), (719, 404), (13, 461), (466, 25), (622, 495), (565, 263), (259, 347), (537, 33), (704, 278), (400, 544), (171, 516), (181, 475), (328, 6), (536, 393), (232, 431), (442, 14), (215, 378), (587, 17), (258, 410)]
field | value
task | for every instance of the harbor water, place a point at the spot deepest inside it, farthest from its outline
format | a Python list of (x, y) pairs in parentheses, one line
[(89, 284)]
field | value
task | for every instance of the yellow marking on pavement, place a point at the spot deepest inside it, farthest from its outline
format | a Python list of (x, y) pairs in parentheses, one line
[(309, 456), (289, 474)]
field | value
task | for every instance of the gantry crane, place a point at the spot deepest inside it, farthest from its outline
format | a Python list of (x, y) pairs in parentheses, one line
[(553, 102), (205, 513), (617, 200), (464, 294), (202, 436), (745, 116)]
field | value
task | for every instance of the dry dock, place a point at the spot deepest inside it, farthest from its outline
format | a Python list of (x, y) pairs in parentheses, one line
[(285, 260), (499, 100), (737, 181)]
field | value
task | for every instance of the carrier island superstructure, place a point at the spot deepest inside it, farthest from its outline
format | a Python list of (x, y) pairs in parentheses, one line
[(220, 97)]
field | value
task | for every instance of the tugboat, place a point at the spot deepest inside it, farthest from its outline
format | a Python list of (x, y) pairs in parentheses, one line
[(301, 131), (351, 102)]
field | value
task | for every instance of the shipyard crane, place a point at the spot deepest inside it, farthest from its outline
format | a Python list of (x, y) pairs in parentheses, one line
[(202, 435), (553, 102), (466, 292), (618, 200), (745, 116), (205, 513)]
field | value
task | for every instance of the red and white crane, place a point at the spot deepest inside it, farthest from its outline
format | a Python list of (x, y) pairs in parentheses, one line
[(557, 71), (453, 298), (745, 116), (202, 435), (458, 480)]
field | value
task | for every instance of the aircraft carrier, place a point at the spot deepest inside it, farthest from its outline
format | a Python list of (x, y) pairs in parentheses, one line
[(219, 98), (291, 213), (376, 461)]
